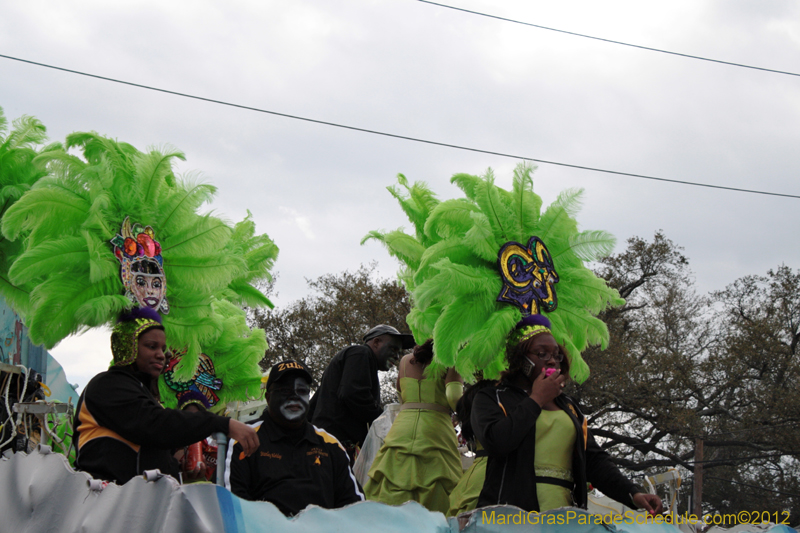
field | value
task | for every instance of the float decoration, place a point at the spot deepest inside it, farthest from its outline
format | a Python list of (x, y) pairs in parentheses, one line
[(103, 221), (450, 267), (201, 389), (141, 266), (529, 277), (18, 173)]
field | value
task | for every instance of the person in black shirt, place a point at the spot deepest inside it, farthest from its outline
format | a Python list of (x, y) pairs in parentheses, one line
[(121, 429), (348, 398), (296, 464), (541, 453)]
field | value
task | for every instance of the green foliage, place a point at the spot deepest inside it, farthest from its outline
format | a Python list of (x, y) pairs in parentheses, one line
[(454, 280)]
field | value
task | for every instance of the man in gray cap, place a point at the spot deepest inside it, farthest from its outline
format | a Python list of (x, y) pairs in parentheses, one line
[(349, 397)]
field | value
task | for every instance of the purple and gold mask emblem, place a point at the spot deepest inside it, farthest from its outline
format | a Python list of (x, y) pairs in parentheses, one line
[(528, 276)]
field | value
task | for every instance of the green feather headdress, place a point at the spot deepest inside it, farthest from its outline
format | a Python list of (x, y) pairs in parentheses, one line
[(69, 218), (450, 269), (17, 175)]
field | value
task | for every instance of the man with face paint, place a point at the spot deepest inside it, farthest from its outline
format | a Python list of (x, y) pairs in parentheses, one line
[(349, 395), (297, 464)]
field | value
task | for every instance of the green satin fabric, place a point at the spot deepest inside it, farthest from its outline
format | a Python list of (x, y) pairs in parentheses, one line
[(555, 440), (419, 459)]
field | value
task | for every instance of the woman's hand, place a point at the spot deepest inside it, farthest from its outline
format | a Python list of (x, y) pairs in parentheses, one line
[(546, 389), (452, 375), (245, 435)]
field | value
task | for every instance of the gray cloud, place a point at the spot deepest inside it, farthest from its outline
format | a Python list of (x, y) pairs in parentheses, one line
[(422, 71)]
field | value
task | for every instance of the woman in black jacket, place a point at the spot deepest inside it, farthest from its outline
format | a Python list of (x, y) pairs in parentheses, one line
[(121, 428), (540, 451)]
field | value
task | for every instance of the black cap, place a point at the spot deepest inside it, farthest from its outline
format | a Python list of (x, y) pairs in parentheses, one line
[(383, 329), (289, 366)]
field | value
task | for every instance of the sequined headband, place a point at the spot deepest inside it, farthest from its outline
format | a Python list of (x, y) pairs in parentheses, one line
[(522, 334), (124, 337)]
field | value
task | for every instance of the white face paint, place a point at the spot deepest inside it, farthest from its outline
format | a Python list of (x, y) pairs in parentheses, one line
[(292, 402), (292, 410)]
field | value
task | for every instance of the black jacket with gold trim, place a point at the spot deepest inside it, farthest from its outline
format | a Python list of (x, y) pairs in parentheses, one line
[(504, 421), (293, 469), (121, 430)]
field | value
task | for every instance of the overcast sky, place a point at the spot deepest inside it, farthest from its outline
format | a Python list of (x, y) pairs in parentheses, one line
[(418, 70)]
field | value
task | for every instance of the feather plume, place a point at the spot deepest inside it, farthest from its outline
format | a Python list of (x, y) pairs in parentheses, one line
[(400, 245), (454, 281), (246, 294), (456, 325), (46, 211), (453, 249), (467, 183), (492, 207), (450, 218), (202, 237), (188, 198), (592, 245), (417, 203), (63, 226), (489, 342), (18, 298), (463, 279), (527, 205), (18, 174), (421, 321), (49, 258), (480, 238), (28, 131), (154, 169)]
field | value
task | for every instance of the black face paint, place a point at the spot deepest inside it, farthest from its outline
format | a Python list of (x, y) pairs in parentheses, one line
[(288, 401)]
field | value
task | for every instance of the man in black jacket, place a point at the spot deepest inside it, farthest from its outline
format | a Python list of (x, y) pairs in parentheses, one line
[(349, 398), (296, 464)]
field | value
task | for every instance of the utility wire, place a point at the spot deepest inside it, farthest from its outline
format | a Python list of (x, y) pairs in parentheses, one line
[(395, 136), (754, 486), (609, 40)]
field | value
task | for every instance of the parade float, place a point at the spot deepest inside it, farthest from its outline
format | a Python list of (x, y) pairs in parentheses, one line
[(88, 236)]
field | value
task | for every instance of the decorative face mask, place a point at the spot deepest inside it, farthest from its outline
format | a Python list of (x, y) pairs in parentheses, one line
[(201, 388), (289, 399), (528, 276), (141, 266)]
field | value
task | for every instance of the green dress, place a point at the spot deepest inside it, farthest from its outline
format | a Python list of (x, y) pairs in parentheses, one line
[(465, 496), (419, 459), (555, 440)]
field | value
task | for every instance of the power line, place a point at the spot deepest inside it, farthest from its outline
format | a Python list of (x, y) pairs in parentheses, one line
[(609, 40), (396, 136), (754, 486)]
